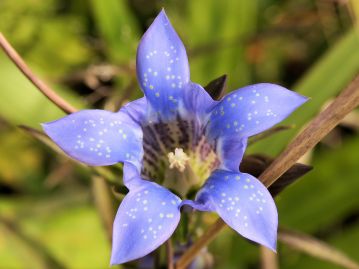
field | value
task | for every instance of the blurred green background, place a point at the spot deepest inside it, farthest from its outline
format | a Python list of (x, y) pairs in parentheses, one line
[(50, 215)]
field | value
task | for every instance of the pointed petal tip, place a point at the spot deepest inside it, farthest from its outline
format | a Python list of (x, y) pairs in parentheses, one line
[(43, 126), (113, 261), (117, 260), (271, 245), (298, 99), (161, 18), (119, 257), (267, 242), (46, 126), (162, 12), (159, 22), (303, 99)]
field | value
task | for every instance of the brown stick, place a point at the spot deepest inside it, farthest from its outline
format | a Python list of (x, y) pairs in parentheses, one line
[(103, 202), (319, 127), (204, 240), (269, 260), (315, 248), (40, 85), (169, 254)]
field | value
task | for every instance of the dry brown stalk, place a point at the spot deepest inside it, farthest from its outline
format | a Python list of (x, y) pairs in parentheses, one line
[(169, 254), (315, 248), (104, 203), (39, 84), (269, 260)]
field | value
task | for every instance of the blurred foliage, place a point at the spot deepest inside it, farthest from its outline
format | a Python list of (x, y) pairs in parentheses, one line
[(86, 50)]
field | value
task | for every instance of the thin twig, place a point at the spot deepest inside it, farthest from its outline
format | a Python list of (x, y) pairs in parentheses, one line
[(315, 248), (169, 254), (103, 202), (203, 241), (319, 127), (269, 260), (39, 84)]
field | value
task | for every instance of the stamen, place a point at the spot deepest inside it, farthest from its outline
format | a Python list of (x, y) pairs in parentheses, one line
[(178, 159)]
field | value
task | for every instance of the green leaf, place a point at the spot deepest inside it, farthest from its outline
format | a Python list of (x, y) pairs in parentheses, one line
[(215, 38), (65, 225), (326, 194), (117, 27)]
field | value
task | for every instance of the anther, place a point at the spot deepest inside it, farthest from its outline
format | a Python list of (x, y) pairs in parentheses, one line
[(178, 159)]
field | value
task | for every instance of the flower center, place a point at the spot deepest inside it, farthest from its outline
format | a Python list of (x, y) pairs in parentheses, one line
[(178, 159), (177, 155)]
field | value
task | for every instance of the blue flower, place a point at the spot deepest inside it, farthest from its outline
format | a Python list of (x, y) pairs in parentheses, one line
[(177, 138)]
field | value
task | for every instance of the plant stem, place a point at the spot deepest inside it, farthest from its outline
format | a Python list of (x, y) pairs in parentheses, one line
[(39, 84), (319, 127), (204, 240), (269, 259), (103, 203), (315, 248), (169, 254)]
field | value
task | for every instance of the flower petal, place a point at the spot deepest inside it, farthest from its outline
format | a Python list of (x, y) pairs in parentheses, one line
[(196, 102), (244, 203), (162, 66), (98, 137), (252, 109), (230, 151), (146, 218), (136, 109)]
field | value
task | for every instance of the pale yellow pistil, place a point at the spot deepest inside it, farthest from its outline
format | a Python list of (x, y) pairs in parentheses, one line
[(178, 159)]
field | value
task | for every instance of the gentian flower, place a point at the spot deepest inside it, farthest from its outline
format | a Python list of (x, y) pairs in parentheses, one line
[(177, 138)]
